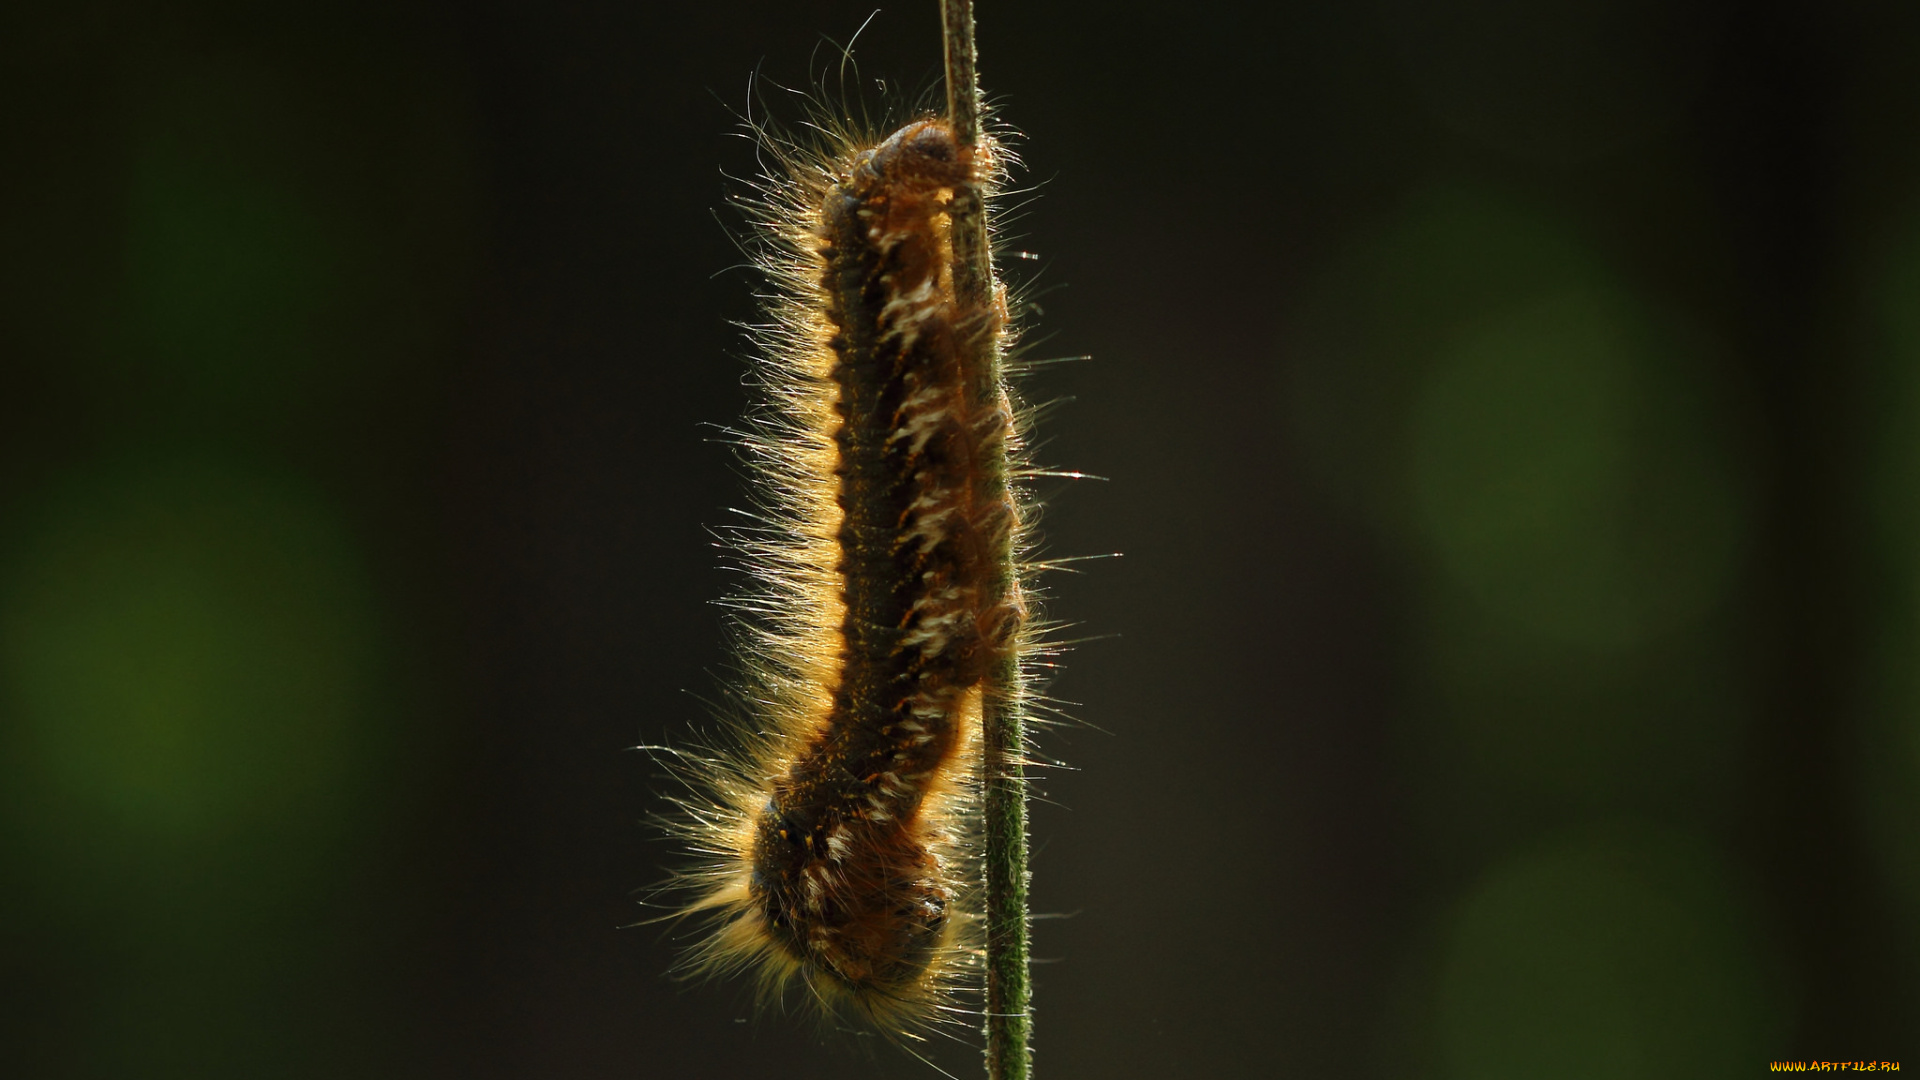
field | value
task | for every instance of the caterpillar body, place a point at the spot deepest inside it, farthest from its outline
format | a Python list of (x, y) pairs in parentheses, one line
[(838, 842)]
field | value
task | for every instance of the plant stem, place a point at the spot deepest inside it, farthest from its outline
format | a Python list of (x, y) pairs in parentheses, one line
[(1009, 1018)]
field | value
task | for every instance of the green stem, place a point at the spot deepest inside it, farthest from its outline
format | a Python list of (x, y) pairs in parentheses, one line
[(1009, 1018)]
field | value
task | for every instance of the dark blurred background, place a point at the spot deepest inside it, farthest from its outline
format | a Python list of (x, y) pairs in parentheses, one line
[(1511, 417)]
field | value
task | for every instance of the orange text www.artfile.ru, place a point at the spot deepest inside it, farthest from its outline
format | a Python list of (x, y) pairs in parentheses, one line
[(1833, 1066)]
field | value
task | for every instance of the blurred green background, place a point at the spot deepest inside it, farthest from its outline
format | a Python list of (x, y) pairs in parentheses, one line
[(1511, 417)]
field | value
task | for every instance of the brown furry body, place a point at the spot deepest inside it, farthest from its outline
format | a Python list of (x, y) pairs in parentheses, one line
[(841, 844)]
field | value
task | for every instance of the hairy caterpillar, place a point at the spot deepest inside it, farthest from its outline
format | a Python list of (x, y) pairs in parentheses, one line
[(839, 841)]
